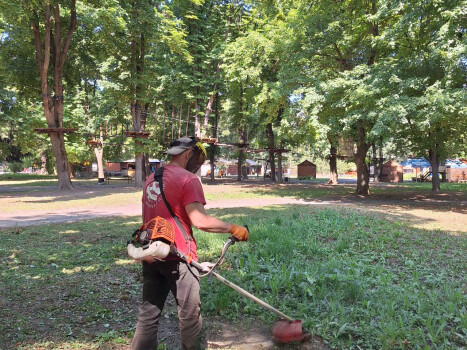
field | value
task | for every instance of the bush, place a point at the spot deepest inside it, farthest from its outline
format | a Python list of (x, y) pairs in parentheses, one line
[(15, 167)]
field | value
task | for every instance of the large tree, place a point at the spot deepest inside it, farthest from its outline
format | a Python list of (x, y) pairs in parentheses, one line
[(135, 33), (341, 45), (45, 28), (428, 82)]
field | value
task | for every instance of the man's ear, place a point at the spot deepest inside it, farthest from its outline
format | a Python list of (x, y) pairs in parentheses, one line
[(188, 155)]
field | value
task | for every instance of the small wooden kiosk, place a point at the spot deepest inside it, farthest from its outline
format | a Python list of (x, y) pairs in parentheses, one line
[(306, 169), (392, 171)]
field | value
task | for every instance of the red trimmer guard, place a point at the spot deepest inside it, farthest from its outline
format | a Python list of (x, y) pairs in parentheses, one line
[(284, 331)]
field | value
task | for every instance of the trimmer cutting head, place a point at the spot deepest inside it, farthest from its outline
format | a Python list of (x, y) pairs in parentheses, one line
[(284, 331)]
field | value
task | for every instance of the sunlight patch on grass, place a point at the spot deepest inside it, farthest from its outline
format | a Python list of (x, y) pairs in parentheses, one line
[(67, 232), (135, 223), (122, 262), (79, 269)]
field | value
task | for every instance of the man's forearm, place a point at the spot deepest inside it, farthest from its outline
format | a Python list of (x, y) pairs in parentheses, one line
[(211, 224)]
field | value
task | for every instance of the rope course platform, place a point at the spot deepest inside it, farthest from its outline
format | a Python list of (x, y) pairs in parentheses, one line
[(210, 140), (224, 145), (55, 130), (136, 134), (93, 142), (275, 150)]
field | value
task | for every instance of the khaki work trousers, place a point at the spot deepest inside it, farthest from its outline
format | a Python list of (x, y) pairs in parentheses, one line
[(158, 279)]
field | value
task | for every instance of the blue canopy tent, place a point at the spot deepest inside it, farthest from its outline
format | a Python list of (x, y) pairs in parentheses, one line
[(417, 163)]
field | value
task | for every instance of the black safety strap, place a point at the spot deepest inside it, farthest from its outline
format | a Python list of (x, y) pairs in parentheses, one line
[(158, 177)]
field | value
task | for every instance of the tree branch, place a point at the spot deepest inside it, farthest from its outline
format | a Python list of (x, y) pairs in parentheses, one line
[(58, 36), (71, 29), (342, 59), (45, 66), (37, 42)]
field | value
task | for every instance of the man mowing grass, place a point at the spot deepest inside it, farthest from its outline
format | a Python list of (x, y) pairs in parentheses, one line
[(174, 197)]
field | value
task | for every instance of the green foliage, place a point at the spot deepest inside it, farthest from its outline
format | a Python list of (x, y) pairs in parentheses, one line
[(317, 71), (15, 167)]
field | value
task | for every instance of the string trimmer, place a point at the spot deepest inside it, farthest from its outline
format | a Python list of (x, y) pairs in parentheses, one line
[(283, 331), (155, 241)]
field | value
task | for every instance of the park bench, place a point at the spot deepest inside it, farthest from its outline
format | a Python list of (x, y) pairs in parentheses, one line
[(117, 176)]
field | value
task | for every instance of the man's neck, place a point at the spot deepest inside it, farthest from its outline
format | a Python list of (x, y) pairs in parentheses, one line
[(175, 163)]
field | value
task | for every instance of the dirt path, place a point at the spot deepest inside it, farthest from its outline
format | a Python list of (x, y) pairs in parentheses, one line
[(31, 218), (444, 211)]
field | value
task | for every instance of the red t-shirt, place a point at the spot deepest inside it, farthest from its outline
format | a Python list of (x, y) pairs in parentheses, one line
[(181, 187)]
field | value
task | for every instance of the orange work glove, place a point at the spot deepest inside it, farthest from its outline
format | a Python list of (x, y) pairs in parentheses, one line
[(239, 232)]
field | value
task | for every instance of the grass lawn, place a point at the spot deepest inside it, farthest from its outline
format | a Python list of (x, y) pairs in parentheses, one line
[(320, 190), (35, 180), (353, 279)]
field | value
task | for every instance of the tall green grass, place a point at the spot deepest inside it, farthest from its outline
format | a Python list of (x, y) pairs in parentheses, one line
[(352, 279)]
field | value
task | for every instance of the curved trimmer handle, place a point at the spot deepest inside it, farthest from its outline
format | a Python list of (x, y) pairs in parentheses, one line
[(231, 241)]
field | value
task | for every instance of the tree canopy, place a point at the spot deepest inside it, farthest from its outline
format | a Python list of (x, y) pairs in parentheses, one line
[(270, 74)]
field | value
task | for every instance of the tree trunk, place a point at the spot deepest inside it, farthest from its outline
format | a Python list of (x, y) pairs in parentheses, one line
[(138, 110), (70, 171), (180, 110), (241, 155), (197, 119), (374, 161), (208, 110), (363, 186), (239, 165), (145, 165), (172, 121), (139, 165), (55, 50), (155, 120), (333, 176), (214, 135), (270, 137), (443, 174), (380, 160), (44, 163), (434, 161), (279, 165), (99, 152), (187, 118), (212, 151), (363, 176)]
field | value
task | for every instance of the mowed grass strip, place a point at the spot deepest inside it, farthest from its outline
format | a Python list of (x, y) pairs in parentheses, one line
[(354, 280)]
